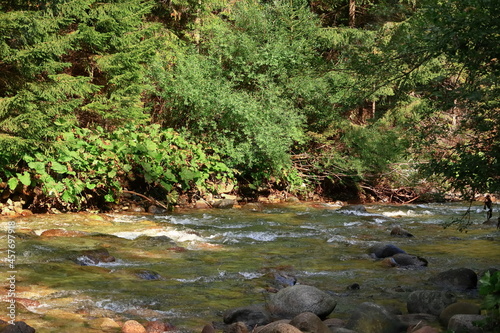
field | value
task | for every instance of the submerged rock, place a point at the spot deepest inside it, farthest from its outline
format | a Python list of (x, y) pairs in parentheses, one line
[(94, 257), (291, 301), (352, 209), (408, 260), (148, 275), (400, 232), (63, 233), (384, 250), (153, 241)]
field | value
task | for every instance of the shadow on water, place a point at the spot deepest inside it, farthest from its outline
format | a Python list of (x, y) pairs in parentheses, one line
[(188, 267)]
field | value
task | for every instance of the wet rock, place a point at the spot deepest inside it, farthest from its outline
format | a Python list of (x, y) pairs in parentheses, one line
[(94, 257), (253, 206), (463, 323), (279, 327), (201, 204), (388, 262), (400, 232), (279, 279), (105, 324), (406, 260), (354, 286), (291, 301), (284, 280), (224, 204), (63, 233), (458, 308), (136, 209), (153, 241), (132, 326), (153, 209), (177, 249), (384, 250), (371, 317), (309, 322), (352, 209), (250, 315), (459, 279), (429, 301), (18, 327)]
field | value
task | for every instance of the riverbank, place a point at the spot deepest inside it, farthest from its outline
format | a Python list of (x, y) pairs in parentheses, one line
[(27, 203)]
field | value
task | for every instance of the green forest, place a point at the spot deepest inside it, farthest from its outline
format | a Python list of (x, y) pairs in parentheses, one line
[(339, 99)]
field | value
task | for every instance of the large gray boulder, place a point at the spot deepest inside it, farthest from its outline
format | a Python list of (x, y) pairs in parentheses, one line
[(429, 301), (371, 317), (291, 301), (459, 279)]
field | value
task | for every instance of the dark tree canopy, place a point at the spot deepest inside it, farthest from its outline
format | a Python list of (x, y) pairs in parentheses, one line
[(309, 97)]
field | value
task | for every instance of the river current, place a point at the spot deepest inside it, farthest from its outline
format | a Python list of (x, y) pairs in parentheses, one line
[(188, 267)]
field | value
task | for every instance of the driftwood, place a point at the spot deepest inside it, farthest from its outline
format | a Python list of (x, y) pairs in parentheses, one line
[(402, 195), (156, 202)]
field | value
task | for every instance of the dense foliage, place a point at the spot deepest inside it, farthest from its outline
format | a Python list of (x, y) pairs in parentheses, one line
[(489, 288), (164, 98)]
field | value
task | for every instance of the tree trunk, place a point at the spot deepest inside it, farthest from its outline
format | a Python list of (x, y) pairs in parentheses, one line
[(352, 13)]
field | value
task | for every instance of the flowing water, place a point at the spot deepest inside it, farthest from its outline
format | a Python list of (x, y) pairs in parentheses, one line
[(188, 267)]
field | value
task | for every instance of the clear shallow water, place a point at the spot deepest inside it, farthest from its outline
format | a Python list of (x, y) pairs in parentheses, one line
[(227, 258)]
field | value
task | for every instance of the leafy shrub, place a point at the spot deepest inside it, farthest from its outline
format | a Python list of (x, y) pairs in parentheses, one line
[(87, 163), (489, 288)]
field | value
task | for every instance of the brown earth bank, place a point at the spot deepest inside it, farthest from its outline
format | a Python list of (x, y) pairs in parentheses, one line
[(26, 201)]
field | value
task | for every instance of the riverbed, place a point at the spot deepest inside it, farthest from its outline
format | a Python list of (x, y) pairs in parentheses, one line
[(187, 267)]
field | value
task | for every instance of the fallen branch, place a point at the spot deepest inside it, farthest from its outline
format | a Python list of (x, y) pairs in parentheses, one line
[(156, 202)]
